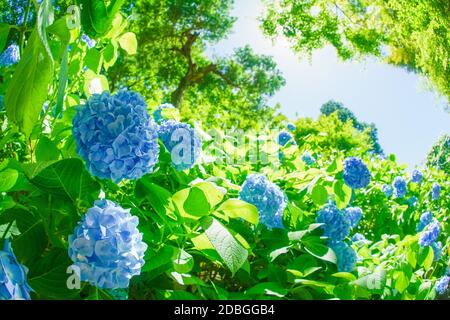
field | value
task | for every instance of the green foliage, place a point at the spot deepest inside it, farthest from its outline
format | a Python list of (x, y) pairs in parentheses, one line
[(413, 33), (439, 155), (234, 89), (203, 241)]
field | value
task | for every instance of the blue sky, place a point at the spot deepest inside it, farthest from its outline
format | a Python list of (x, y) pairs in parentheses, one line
[(409, 118)]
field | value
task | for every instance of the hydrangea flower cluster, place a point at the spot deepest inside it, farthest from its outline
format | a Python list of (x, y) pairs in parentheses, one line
[(435, 191), (89, 42), (424, 220), (400, 188), (116, 136), (157, 115), (291, 127), (416, 176), (431, 233), (437, 250), (284, 137), (336, 223), (308, 158), (356, 174), (346, 256), (387, 190), (354, 215), (183, 143), (442, 284), (10, 56), (13, 276), (107, 247), (412, 201), (267, 197)]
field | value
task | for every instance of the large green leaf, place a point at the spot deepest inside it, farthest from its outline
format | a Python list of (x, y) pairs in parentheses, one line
[(8, 179), (4, 32), (343, 194), (28, 88), (66, 177), (235, 208), (230, 250), (96, 17), (158, 197)]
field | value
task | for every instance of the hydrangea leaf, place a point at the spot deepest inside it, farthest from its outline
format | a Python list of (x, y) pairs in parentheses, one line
[(183, 262), (267, 289), (128, 42), (8, 179), (425, 258), (235, 208), (67, 177), (24, 99), (96, 17), (230, 250), (319, 194), (46, 150), (342, 193), (320, 251), (158, 197), (4, 32)]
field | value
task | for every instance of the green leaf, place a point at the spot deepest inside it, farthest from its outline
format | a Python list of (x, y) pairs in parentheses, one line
[(183, 262), (230, 250), (235, 208), (8, 179), (375, 282), (24, 98), (320, 251), (4, 32), (48, 276), (425, 258), (158, 197), (128, 42), (63, 77), (93, 60), (109, 54), (44, 19), (66, 177), (401, 281), (342, 193), (32, 239), (196, 203), (96, 17), (319, 194), (46, 150), (267, 289)]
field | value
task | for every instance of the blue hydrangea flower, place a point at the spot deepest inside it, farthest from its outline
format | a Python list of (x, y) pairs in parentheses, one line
[(354, 215), (89, 42), (437, 250), (425, 220), (435, 191), (412, 201), (291, 127), (157, 115), (356, 174), (441, 285), (431, 233), (13, 276), (336, 224), (107, 247), (308, 158), (416, 176), (267, 197), (116, 136), (183, 143), (10, 56), (358, 237), (387, 190), (284, 137), (346, 256), (400, 188)]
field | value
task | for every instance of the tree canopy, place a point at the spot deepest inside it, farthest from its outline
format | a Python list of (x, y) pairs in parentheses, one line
[(408, 33), (180, 32)]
